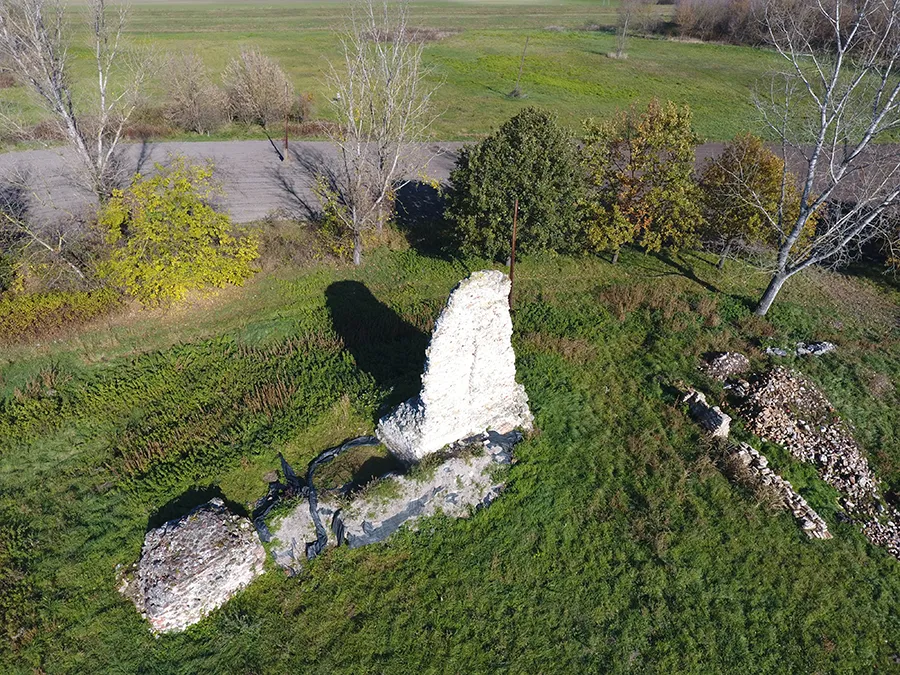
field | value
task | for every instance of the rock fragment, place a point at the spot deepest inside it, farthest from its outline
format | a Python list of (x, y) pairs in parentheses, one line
[(722, 365), (460, 484), (192, 565), (814, 348), (710, 418)]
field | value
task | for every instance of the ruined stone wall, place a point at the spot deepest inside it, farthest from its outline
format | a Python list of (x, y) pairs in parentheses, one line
[(469, 385)]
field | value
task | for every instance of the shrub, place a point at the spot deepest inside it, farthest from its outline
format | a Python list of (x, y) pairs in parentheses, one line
[(40, 313), (640, 172), (165, 238), (741, 195), (193, 102), (302, 108), (257, 89), (530, 157)]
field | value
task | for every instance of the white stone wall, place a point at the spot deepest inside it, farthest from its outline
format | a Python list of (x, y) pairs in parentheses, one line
[(469, 385)]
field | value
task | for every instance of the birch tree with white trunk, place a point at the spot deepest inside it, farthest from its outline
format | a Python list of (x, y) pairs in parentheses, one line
[(838, 96), (34, 40), (383, 104)]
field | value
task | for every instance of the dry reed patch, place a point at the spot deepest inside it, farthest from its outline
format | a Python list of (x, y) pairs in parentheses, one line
[(574, 350), (624, 299), (879, 385), (708, 308)]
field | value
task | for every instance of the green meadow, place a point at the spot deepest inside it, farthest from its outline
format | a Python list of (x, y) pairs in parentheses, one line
[(475, 62), (617, 546)]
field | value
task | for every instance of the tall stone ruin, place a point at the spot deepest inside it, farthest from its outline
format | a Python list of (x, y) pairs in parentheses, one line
[(469, 385)]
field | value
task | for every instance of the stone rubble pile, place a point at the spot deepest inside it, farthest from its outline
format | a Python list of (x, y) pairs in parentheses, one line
[(722, 365), (814, 348), (710, 418), (757, 466), (469, 385), (785, 408), (192, 565), (804, 349), (462, 483)]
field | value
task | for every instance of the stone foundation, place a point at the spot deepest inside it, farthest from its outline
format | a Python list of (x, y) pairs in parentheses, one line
[(757, 466), (454, 487)]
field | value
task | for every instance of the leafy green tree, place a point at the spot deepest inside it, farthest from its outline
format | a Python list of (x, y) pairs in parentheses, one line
[(165, 238), (743, 189), (641, 186), (530, 158)]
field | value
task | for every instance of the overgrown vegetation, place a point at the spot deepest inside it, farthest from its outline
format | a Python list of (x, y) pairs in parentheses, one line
[(34, 314), (617, 540), (166, 239)]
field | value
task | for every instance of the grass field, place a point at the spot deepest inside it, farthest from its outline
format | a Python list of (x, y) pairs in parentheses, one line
[(566, 67), (617, 547)]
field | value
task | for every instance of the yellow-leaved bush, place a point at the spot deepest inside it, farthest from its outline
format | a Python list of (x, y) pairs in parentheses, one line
[(165, 238)]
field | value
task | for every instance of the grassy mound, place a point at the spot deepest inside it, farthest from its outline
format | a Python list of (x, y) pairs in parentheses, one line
[(618, 546)]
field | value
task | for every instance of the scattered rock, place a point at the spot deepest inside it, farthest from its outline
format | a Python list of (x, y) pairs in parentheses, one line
[(455, 487), (757, 467), (710, 418), (193, 565), (785, 408), (739, 388), (469, 385), (814, 348), (776, 351), (722, 365)]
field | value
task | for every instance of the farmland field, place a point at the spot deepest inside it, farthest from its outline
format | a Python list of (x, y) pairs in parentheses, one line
[(476, 61)]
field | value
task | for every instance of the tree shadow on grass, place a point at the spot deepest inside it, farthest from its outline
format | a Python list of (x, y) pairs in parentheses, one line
[(390, 349), (419, 215), (683, 270), (188, 501)]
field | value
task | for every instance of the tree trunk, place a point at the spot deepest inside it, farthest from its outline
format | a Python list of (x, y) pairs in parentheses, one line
[(724, 256), (765, 302), (615, 257), (357, 248)]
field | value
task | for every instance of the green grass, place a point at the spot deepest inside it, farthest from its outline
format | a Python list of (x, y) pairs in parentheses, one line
[(476, 66), (618, 545)]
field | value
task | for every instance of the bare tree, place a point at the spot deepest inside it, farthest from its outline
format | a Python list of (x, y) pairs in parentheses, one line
[(837, 97), (632, 14), (383, 106), (31, 241), (194, 103), (33, 39)]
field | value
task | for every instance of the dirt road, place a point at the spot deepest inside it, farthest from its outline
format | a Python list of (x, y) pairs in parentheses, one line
[(256, 181)]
